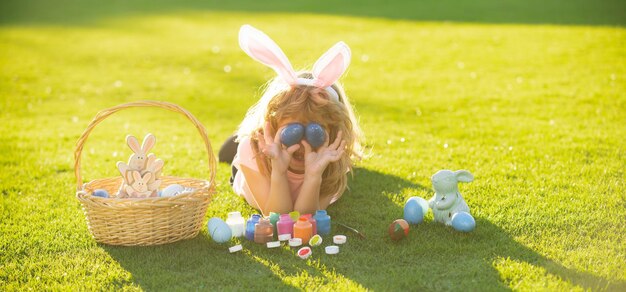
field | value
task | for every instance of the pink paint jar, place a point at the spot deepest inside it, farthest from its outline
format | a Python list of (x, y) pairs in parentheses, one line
[(285, 225)]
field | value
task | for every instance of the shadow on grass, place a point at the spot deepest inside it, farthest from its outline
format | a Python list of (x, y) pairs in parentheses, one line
[(195, 264), (567, 12), (433, 257)]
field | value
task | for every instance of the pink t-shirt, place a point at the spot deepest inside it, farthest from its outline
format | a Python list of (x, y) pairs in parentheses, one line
[(245, 156)]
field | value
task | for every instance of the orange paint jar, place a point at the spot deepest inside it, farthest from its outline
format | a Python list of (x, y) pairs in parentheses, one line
[(303, 229)]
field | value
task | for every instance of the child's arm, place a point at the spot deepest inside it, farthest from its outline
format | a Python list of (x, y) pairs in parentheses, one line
[(309, 198), (271, 194), (255, 185), (279, 199), (279, 195)]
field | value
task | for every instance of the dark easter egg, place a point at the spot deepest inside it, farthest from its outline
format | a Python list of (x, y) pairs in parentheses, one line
[(292, 134), (315, 135), (398, 229)]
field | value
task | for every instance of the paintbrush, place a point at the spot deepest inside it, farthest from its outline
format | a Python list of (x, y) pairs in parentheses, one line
[(360, 234)]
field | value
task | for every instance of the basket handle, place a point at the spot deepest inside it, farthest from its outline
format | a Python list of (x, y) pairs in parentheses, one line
[(145, 103)]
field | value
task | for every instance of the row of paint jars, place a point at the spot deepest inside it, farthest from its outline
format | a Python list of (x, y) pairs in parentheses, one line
[(262, 230)]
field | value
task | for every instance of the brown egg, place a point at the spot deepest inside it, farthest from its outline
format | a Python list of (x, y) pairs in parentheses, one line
[(398, 229)]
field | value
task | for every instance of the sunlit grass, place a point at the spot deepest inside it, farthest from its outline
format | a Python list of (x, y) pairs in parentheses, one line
[(535, 112)]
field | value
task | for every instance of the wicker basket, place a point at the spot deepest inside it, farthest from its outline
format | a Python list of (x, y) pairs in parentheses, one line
[(148, 221)]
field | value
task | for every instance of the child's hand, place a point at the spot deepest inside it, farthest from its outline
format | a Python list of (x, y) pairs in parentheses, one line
[(316, 162), (273, 148)]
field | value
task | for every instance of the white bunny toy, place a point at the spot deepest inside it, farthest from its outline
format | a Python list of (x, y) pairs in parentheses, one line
[(447, 200), (139, 187)]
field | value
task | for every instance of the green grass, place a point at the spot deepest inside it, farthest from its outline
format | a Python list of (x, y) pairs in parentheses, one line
[(535, 112), (599, 12)]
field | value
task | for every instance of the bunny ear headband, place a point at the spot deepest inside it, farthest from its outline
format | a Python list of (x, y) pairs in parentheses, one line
[(326, 71)]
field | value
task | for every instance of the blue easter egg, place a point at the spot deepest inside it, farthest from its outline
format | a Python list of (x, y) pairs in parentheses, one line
[(100, 193), (219, 230), (413, 212), (172, 190), (422, 202), (292, 134), (315, 135), (463, 222)]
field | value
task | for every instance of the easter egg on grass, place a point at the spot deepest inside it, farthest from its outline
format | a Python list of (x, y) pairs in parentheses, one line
[(100, 193), (463, 221), (398, 229), (315, 135), (292, 134), (172, 190), (219, 230), (413, 212), (422, 202)]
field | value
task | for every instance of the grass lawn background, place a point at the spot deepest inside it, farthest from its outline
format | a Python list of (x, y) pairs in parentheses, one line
[(530, 97)]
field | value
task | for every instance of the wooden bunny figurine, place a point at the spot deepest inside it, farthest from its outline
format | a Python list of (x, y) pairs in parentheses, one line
[(142, 162), (154, 166), (139, 187), (447, 200), (139, 159)]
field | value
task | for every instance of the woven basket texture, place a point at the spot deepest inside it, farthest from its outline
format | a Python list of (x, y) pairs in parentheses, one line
[(146, 221)]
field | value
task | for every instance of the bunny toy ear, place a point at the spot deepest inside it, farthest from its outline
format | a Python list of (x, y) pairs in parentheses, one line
[(148, 143), (330, 66), (136, 175), (262, 48), (133, 143), (463, 176)]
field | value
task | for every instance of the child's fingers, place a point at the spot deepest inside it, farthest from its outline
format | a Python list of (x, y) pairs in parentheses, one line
[(293, 148), (277, 137), (335, 156), (342, 146), (327, 140), (337, 141), (262, 145), (307, 147), (268, 153), (266, 132)]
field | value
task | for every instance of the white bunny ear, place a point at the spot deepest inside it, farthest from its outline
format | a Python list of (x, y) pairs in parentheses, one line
[(133, 143), (262, 48), (463, 176), (330, 66), (148, 143)]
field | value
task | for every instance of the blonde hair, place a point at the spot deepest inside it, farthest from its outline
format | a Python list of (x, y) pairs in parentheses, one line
[(281, 101)]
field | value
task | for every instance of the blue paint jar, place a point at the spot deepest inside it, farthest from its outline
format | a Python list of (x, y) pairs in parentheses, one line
[(323, 222), (254, 219)]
